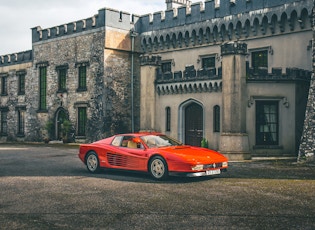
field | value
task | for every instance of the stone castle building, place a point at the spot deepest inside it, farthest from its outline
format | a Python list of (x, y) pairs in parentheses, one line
[(233, 72)]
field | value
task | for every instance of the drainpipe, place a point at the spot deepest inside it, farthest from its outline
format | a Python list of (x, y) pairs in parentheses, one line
[(133, 34)]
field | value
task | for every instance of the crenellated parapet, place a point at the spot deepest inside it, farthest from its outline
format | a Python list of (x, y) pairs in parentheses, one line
[(16, 58), (105, 17), (206, 23), (208, 10)]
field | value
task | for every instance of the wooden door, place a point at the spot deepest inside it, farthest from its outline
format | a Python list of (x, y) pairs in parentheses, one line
[(193, 124)]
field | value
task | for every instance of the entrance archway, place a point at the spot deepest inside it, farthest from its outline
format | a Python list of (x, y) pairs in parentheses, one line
[(61, 116), (193, 124)]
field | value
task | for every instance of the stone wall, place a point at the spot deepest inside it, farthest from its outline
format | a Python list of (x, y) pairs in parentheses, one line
[(108, 95), (13, 100), (307, 146)]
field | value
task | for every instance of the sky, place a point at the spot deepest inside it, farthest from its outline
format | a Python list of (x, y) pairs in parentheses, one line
[(19, 16)]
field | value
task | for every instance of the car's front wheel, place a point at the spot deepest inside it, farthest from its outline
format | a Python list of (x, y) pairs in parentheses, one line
[(92, 162), (158, 168)]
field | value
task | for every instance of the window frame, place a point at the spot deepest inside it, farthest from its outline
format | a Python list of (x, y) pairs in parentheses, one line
[(82, 68), (208, 59), (4, 85), (62, 72), (4, 121), (166, 67), (263, 137), (81, 121), (21, 82), (42, 88), (216, 119), (259, 62), (21, 122), (168, 119)]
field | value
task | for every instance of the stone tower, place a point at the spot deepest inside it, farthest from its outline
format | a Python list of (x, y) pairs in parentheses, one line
[(307, 146), (234, 141), (170, 4), (147, 91)]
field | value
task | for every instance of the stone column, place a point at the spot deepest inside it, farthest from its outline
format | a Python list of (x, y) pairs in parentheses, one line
[(148, 68), (234, 141)]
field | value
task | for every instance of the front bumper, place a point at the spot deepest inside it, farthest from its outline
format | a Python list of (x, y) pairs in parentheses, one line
[(196, 174)]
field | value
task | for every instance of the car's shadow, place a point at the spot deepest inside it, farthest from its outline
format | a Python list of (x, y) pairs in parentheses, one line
[(284, 169), (29, 161), (142, 177)]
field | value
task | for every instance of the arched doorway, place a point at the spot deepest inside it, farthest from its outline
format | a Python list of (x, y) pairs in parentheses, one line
[(61, 116), (193, 114)]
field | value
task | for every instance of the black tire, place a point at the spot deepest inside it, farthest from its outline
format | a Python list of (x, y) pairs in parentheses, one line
[(92, 162), (158, 168)]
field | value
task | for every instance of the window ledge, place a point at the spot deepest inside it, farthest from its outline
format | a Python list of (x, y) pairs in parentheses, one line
[(267, 147), (81, 89), (42, 111), (62, 91)]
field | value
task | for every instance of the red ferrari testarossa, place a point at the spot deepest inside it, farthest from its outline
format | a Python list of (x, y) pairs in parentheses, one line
[(155, 153)]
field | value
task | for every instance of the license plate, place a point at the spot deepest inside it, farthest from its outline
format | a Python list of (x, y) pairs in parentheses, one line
[(213, 172)]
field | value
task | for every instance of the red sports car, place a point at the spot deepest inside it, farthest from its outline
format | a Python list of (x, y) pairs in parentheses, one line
[(155, 153)]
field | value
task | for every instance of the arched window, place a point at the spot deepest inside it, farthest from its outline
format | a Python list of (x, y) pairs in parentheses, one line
[(168, 119), (216, 119)]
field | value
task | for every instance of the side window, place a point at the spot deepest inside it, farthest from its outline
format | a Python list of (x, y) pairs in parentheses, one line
[(127, 142), (82, 120), (168, 119), (117, 140), (166, 67), (3, 122), (82, 78), (82, 75), (62, 78), (42, 88), (208, 62), (4, 86), (216, 119), (259, 59), (21, 122), (21, 88), (267, 123)]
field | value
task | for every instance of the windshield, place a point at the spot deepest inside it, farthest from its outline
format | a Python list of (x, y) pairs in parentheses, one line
[(154, 141)]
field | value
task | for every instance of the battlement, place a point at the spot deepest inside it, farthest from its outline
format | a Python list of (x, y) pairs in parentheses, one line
[(16, 58), (208, 10), (105, 17)]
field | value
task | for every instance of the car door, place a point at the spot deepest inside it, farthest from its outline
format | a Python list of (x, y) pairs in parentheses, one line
[(128, 155)]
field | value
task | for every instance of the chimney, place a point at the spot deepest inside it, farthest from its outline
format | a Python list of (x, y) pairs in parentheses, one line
[(170, 4)]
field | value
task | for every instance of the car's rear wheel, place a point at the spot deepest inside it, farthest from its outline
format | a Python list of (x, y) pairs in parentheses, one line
[(158, 168), (92, 162)]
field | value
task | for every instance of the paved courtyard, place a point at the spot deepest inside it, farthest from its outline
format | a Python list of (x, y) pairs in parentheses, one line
[(47, 187)]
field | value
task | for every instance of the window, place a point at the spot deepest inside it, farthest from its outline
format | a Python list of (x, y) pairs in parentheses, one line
[(82, 118), (166, 67), (21, 83), (4, 86), (168, 118), (21, 122), (117, 140), (3, 122), (267, 123), (216, 119), (42, 87), (259, 59), (208, 62), (82, 69), (62, 79)]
